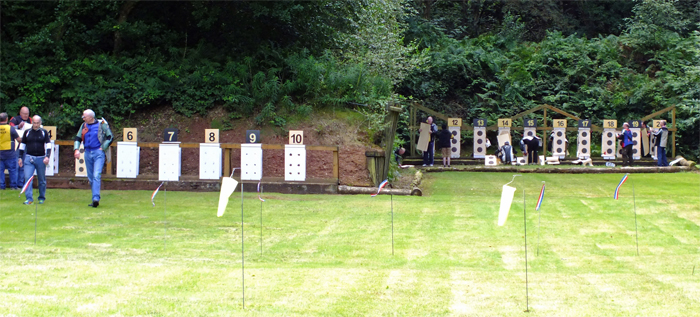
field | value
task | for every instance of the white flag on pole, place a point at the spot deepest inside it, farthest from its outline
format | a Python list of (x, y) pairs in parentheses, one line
[(506, 199), (228, 186)]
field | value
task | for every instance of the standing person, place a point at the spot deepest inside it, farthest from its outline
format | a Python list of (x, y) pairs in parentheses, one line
[(627, 142), (661, 137), (96, 138), (8, 155), (445, 142), (34, 152), (429, 155), (22, 123), (532, 145)]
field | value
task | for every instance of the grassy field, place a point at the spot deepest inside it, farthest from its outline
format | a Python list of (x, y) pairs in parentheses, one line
[(331, 255)]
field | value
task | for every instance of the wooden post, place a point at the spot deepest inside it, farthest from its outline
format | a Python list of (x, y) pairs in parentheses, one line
[(336, 165), (227, 162), (412, 130), (392, 118), (544, 133), (673, 119)]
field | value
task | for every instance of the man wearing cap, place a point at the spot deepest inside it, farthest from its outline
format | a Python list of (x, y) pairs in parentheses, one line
[(627, 143)]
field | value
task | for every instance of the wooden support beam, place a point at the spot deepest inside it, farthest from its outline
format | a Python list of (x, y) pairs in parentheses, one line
[(336, 165), (655, 114)]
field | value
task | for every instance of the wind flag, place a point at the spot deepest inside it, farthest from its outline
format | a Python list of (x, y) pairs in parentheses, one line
[(381, 186), (506, 200), (259, 193), (26, 186), (539, 200), (228, 186), (617, 190), (156, 193)]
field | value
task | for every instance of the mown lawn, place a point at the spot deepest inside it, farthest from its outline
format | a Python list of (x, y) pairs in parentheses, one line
[(331, 255)]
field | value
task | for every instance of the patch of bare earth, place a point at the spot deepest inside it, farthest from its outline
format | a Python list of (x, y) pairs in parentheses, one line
[(318, 130)]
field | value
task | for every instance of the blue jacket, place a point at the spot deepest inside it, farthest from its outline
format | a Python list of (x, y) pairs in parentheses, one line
[(627, 137)]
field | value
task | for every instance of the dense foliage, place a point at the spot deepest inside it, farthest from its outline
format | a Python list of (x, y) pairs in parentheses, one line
[(266, 59)]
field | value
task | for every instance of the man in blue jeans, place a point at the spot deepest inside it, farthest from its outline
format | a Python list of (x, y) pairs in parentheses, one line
[(96, 138), (8, 155), (22, 123), (34, 153), (661, 141)]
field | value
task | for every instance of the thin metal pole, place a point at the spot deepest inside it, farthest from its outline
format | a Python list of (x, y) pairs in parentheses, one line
[(634, 201), (242, 250), (261, 223), (527, 295), (36, 211), (165, 217), (539, 217), (392, 224)]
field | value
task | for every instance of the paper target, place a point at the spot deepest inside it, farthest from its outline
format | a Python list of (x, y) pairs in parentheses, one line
[(294, 162), (128, 156), (455, 142), (479, 142)]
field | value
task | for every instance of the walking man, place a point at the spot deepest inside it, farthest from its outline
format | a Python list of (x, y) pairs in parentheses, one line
[(8, 155), (34, 153), (96, 138)]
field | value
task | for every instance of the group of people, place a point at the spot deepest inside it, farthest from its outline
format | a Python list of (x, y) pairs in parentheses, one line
[(34, 152), (530, 145), (444, 138), (659, 140)]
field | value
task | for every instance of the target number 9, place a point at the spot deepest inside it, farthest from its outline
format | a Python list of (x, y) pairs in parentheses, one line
[(211, 135), (252, 136)]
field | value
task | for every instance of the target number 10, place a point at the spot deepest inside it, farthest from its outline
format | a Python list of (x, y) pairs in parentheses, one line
[(296, 137)]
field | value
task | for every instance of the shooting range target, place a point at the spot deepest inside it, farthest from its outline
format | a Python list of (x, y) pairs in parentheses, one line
[(530, 132), (456, 140), (210, 160), (584, 143), (52, 168), (520, 160), (128, 156), (251, 161), (608, 146), (479, 142), (490, 160), (80, 168), (169, 161), (559, 143), (636, 143), (294, 162)]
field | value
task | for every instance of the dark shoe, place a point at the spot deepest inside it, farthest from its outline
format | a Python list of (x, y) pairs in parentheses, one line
[(94, 204), (41, 201)]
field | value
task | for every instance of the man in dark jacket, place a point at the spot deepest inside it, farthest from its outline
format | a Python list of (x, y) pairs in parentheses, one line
[(429, 154), (661, 138), (34, 152)]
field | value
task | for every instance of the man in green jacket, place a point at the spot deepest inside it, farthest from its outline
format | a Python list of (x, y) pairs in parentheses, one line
[(96, 138)]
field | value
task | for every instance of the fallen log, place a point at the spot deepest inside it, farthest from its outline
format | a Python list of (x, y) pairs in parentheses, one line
[(352, 190)]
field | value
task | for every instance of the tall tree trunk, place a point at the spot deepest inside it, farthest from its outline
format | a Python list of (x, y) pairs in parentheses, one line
[(124, 11)]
